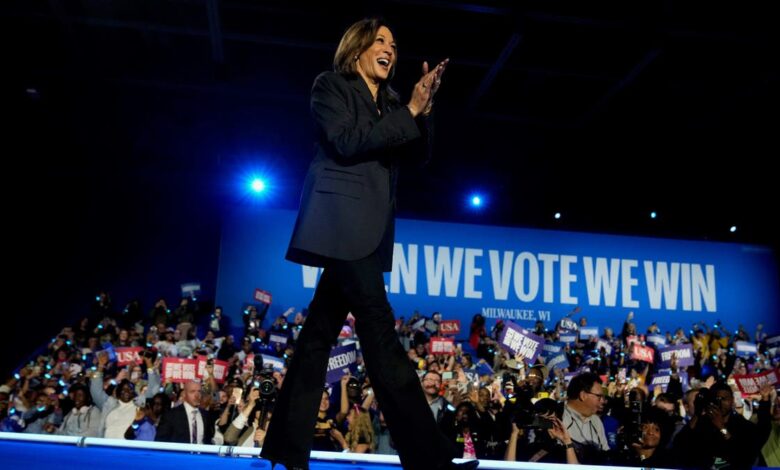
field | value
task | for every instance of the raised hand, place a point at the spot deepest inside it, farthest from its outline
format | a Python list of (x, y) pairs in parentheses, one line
[(425, 88)]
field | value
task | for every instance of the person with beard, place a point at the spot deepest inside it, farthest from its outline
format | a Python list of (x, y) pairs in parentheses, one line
[(538, 441), (440, 407), (188, 422)]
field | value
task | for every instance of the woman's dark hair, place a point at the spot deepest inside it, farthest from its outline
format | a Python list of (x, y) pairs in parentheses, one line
[(356, 39)]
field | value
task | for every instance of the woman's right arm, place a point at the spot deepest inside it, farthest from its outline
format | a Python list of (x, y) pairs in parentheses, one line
[(353, 138)]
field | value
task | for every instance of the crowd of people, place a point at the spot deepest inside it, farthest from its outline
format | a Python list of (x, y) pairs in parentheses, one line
[(596, 405)]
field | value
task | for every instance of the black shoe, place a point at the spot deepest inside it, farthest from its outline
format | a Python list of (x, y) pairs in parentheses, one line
[(470, 465)]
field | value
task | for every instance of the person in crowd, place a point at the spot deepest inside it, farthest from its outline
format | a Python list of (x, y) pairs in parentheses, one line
[(327, 436), (84, 419), (187, 423), (360, 432), (717, 435), (648, 447), (441, 408), (770, 452), (45, 416), (585, 399), (542, 439)]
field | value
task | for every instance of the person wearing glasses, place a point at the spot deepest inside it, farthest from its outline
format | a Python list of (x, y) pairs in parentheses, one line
[(585, 399)]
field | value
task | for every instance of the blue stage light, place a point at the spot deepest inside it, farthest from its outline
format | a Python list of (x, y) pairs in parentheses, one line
[(258, 185)]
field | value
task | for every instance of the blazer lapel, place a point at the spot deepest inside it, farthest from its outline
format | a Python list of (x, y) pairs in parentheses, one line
[(360, 85)]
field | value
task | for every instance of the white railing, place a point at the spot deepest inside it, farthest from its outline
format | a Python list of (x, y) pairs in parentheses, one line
[(233, 451)]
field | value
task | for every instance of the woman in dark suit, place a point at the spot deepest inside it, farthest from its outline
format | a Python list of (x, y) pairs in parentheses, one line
[(346, 225)]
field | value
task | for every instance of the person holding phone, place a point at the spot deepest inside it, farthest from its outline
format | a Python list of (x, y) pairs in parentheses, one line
[(551, 442)]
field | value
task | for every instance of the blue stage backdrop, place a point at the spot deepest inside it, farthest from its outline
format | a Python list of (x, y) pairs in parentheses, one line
[(520, 274)]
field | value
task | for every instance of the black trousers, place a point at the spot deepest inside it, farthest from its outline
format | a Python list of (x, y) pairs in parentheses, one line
[(357, 287)]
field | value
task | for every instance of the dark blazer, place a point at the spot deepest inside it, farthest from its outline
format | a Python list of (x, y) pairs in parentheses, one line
[(175, 426), (348, 200)]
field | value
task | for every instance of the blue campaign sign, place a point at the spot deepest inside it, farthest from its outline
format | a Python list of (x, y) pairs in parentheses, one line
[(521, 275)]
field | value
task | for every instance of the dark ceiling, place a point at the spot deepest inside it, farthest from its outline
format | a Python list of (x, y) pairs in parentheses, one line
[(603, 110)]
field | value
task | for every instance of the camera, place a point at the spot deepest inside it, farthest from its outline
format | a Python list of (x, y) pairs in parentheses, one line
[(264, 381), (703, 400), (536, 422)]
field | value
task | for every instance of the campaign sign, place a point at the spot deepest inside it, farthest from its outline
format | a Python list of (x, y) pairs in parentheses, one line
[(519, 275), (442, 346), (551, 349), (277, 339), (752, 383), (682, 375), (558, 362), (660, 379), (657, 340), (683, 352), (567, 336), (179, 370), (108, 348), (276, 363), (220, 369), (588, 332), (642, 353), (745, 349), (449, 327), (342, 361), (191, 289), (125, 356), (604, 344), (263, 296), (520, 341)]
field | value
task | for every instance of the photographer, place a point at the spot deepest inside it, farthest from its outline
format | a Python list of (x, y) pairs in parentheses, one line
[(647, 447), (240, 432), (717, 435), (542, 437)]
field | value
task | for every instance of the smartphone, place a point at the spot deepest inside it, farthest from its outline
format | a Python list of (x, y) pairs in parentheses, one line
[(446, 375), (237, 392)]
